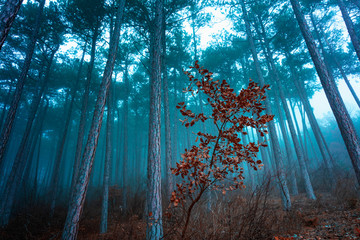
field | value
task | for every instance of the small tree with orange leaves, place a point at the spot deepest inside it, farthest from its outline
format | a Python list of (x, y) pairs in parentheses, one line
[(215, 163)]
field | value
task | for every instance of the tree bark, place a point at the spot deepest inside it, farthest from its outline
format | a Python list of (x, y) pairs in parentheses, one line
[(154, 230), (125, 127), (7, 17), (168, 150), (84, 105), (108, 159), (78, 198), (272, 130), (7, 127), (336, 103), (289, 154)]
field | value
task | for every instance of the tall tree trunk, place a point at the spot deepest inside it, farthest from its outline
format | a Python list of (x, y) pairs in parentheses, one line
[(350, 27), (120, 130), (7, 17), (81, 127), (35, 184), (78, 198), (6, 103), (137, 140), (154, 230), (304, 127), (108, 158), (273, 134), (84, 105), (307, 138), (296, 122), (7, 127), (168, 150), (337, 105), (175, 123), (125, 127), (290, 167)]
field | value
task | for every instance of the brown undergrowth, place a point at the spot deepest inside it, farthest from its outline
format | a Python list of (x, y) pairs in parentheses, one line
[(248, 214)]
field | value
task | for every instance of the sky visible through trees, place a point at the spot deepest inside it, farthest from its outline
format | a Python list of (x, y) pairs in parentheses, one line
[(145, 119)]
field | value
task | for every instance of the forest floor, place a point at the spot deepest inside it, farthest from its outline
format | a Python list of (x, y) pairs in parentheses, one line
[(325, 218), (334, 215)]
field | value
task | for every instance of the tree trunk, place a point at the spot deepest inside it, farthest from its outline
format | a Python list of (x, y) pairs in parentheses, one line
[(168, 151), (336, 103), (305, 131), (6, 103), (350, 27), (84, 106), (175, 123), (7, 127), (78, 198), (7, 17), (273, 134), (35, 188), (154, 230), (119, 177), (108, 158), (289, 154), (125, 127)]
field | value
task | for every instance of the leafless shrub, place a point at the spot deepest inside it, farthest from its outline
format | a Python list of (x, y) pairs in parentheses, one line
[(251, 214), (346, 192)]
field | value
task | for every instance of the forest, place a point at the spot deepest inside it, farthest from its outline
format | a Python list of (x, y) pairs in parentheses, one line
[(179, 119)]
